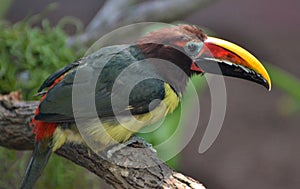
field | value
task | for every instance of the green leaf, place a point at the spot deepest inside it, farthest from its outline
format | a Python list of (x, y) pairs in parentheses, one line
[(285, 81)]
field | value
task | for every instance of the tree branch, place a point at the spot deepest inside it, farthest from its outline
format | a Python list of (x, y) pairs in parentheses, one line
[(129, 167), (117, 13)]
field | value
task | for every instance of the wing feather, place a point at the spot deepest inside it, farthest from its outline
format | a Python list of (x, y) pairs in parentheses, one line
[(109, 73)]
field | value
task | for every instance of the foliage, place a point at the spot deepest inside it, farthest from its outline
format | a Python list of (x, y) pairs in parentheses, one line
[(290, 85), (285, 81), (13, 167), (29, 54)]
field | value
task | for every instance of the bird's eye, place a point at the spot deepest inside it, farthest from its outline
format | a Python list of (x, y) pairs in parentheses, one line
[(193, 48)]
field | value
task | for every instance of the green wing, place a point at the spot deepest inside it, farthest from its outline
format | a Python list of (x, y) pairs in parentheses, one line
[(111, 77)]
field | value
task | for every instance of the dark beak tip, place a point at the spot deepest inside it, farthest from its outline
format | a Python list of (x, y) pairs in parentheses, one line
[(264, 83), (267, 86)]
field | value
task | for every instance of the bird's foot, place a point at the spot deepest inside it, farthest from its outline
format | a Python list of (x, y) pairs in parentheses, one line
[(135, 141)]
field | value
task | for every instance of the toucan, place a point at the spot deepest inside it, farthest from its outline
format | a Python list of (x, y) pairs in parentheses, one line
[(130, 86)]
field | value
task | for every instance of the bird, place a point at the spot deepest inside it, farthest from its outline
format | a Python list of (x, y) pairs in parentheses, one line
[(157, 67)]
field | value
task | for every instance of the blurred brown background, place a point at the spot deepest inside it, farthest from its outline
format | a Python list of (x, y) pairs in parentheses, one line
[(258, 146)]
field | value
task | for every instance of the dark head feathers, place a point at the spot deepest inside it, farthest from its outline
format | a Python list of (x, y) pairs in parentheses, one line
[(173, 34)]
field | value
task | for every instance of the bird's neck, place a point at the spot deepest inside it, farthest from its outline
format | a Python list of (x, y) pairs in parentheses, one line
[(172, 64)]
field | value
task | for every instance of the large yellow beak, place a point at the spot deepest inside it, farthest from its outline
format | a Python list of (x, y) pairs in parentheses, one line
[(233, 61)]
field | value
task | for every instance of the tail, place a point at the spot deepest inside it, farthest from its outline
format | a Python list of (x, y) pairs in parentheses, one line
[(39, 159)]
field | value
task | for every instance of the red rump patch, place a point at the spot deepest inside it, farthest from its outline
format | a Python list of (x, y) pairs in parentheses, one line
[(44, 129)]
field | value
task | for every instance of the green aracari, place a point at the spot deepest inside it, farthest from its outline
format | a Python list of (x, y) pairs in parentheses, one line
[(183, 46)]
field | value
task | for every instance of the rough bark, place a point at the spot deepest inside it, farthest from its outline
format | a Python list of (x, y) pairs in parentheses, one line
[(134, 166)]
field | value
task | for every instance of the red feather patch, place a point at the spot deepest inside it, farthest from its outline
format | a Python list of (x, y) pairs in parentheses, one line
[(44, 129)]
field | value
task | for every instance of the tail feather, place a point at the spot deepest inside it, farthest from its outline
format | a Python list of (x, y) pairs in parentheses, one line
[(39, 159)]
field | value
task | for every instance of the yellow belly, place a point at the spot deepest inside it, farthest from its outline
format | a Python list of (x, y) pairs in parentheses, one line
[(111, 131)]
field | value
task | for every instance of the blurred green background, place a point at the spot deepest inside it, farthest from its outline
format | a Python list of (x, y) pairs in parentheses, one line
[(258, 145)]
